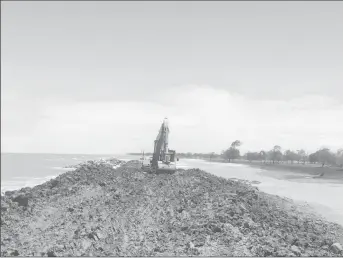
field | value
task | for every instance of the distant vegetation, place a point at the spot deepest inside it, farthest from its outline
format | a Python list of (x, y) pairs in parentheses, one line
[(323, 156), (276, 155), (232, 153)]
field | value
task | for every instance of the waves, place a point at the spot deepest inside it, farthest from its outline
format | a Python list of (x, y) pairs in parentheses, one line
[(21, 182), (43, 168), (63, 168), (18, 182)]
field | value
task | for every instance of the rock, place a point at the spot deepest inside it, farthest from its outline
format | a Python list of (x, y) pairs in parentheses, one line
[(86, 244), (53, 183), (295, 250), (191, 245), (99, 235), (25, 190), (336, 248), (200, 241), (282, 252), (21, 200), (15, 253), (51, 253), (216, 229), (290, 239), (4, 207), (92, 236), (327, 241), (267, 251), (179, 209), (9, 193)]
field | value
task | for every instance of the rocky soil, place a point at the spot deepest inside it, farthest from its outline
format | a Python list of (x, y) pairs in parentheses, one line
[(97, 210), (113, 162)]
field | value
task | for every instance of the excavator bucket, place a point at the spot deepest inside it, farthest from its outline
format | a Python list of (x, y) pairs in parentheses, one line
[(164, 168)]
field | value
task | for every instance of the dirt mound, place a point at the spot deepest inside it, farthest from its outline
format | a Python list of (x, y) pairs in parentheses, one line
[(111, 162), (97, 210)]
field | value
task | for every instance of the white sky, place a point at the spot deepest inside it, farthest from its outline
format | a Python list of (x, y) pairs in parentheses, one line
[(90, 77)]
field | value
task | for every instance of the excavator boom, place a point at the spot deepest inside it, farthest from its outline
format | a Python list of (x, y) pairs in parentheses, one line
[(163, 159)]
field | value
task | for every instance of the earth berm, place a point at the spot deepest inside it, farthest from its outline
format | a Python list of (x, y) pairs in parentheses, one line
[(98, 210)]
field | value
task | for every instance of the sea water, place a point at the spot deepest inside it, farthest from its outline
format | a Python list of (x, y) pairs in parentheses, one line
[(20, 170)]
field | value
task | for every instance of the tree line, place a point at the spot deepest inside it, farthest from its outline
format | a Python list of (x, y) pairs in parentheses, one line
[(322, 156), (276, 155)]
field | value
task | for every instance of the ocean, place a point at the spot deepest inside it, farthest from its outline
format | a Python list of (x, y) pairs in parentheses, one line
[(20, 170)]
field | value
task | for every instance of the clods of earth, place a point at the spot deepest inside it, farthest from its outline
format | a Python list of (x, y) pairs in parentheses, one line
[(112, 162), (99, 210)]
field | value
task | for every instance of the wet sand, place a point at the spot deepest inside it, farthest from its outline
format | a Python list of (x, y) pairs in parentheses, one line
[(295, 171), (299, 172)]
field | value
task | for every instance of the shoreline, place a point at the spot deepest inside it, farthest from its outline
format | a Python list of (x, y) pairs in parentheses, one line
[(13, 184), (294, 171), (96, 209)]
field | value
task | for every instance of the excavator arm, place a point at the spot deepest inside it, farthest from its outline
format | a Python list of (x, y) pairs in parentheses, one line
[(163, 158)]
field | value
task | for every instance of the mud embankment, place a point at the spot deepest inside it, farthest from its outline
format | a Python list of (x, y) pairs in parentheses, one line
[(98, 210)]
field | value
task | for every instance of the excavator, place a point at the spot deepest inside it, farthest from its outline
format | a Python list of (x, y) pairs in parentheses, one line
[(163, 159)]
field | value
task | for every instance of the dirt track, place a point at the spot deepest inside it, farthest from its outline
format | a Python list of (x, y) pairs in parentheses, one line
[(100, 211)]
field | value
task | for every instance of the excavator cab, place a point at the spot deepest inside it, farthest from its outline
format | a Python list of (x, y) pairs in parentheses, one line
[(172, 155)]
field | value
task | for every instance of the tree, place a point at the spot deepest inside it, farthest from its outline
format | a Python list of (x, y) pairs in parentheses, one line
[(249, 156), (245, 156), (301, 156), (339, 158), (290, 155), (325, 156), (253, 156), (236, 143), (263, 156), (211, 155), (275, 154), (277, 148), (287, 155), (231, 153), (313, 158)]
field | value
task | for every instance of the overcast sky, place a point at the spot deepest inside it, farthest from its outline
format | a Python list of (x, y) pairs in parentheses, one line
[(99, 77)]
